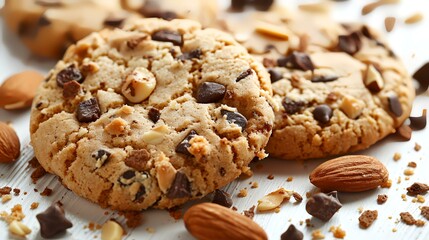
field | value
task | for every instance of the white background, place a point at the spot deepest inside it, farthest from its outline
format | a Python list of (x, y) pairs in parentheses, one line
[(410, 42)]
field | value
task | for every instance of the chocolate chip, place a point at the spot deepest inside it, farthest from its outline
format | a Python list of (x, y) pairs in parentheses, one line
[(418, 123), (210, 92), (182, 147), (322, 206), (350, 44), (152, 9), (190, 55), (53, 221), (417, 188), (222, 198), (71, 89), (324, 78), (168, 36), (222, 171), (394, 105), (263, 5), (68, 74), (137, 159), (275, 75), (127, 177), (235, 117), (238, 5), (154, 114), (292, 234), (292, 106), (422, 77), (88, 111), (244, 74), (322, 113), (100, 156), (140, 193), (296, 60), (180, 188), (114, 20), (404, 131)]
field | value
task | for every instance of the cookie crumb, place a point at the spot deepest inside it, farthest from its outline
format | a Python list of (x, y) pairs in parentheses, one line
[(367, 218), (270, 177), (317, 234), (255, 185), (382, 198), (412, 164), (337, 232), (387, 184), (297, 196), (242, 193), (408, 172), (289, 179), (6, 198), (308, 223), (397, 156), (417, 147), (407, 218), (250, 213), (425, 212), (134, 218), (46, 192), (150, 230), (414, 18), (38, 173), (394, 230), (5, 190), (16, 214), (175, 213), (421, 199), (34, 205), (404, 197), (360, 209)]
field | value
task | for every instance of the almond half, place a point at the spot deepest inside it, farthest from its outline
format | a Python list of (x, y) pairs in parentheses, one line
[(208, 221), (9, 144), (354, 173)]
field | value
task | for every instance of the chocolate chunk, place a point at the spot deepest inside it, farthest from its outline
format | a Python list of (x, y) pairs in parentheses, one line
[(180, 188), (350, 44), (152, 9), (68, 74), (114, 20), (404, 131), (322, 206), (190, 55), (418, 123), (127, 177), (140, 193), (137, 159), (88, 111), (210, 92), (53, 221), (263, 5), (417, 188), (296, 60), (275, 75), (366, 32), (322, 113), (100, 156), (168, 36), (244, 74), (394, 105), (71, 89), (324, 78), (184, 144), (292, 234), (235, 117), (222, 198), (422, 77), (154, 114), (238, 5), (292, 106)]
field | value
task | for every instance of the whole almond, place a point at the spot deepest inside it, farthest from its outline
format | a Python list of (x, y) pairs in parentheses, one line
[(9, 144), (208, 221), (18, 91), (354, 173)]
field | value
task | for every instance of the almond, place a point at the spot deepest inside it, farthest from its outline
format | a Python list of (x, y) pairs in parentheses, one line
[(354, 173), (18, 91), (208, 221), (9, 144)]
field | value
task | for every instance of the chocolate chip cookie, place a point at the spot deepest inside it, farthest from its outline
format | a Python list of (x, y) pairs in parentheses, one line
[(152, 115), (48, 27), (340, 87)]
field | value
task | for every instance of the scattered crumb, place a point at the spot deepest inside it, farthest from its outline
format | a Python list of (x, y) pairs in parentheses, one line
[(5, 190), (382, 198), (289, 179), (16, 214), (417, 147), (420, 223), (317, 234), (34, 205), (134, 218), (6, 198), (408, 172), (254, 185), (270, 177), (250, 213), (308, 223), (46, 192), (367, 218), (404, 197), (389, 23), (399, 180), (417, 188), (94, 226), (338, 232), (38, 173), (414, 18), (242, 193), (234, 208), (394, 229), (412, 164), (360, 209), (34, 163), (277, 209), (407, 218), (308, 194), (425, 212), (387, 184), (407, 178), (175, 213), (297, 196), (397, 156), (301, 222), (389, 217), (150, 230), (421, 198)]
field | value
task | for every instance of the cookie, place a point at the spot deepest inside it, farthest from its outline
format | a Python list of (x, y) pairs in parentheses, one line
[(152, 115), (339, 87), (48, 27)]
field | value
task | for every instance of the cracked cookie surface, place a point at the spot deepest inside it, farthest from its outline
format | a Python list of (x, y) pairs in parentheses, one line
[(152, 115), (339, 87)]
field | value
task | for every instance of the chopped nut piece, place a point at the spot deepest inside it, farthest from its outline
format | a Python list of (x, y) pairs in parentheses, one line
[(273, 30), (397, 156), (242, 193), (116, 127), (19, 228), (420, 199), (404, 197), (419, 223), (367, 218), (416, 17), (150, 230), (274, 199), (408, 172), (138, 85), (16, 214), (297, 196), (111, 230), (156, 135), (382, 198), (352, 107)]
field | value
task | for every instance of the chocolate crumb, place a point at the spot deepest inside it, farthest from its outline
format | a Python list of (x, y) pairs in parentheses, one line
[(417, 188), (5, 190), (407, 218), (16, 191), (250, 213), (38, 173), (367, 218), (425, 212), (222, 198), (322, 206), (382, 198), (46, 192)]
